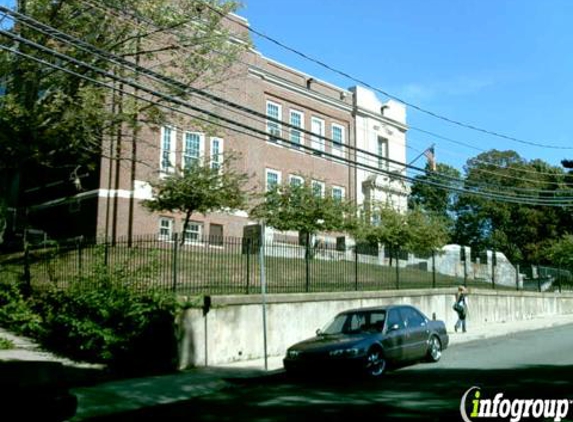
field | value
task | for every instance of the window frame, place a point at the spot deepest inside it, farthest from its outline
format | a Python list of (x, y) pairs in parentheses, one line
[(293, 177), (342, 191), (322, 187), (338, 148), (169, 236), (299, 129), (184, 153), (274, 138), (171, 151), (383, 163), (200, 231), (316, 142), (216, 159), (271, 171)]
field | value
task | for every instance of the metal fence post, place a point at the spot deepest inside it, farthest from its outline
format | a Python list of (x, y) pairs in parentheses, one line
[(493, 265), (307, 262), (248, 263), (433, 269), (465, 267), (174, 265), (397, 252), (356, 267), (559, 277), (79, 245)]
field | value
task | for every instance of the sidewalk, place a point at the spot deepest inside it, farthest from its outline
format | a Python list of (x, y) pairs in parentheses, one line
[(131, 394)]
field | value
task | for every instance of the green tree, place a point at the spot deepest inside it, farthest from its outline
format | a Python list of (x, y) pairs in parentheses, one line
[(304, 209), (561, 252), (52, 117), (519, 230), (200, 188), (433, 191), (415, 231)]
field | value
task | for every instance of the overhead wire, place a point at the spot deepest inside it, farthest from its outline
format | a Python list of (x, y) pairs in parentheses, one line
[(152, 93), (386, 93), (112, 10)]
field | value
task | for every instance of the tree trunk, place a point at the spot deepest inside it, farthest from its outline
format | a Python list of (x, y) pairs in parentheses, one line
[(186, 225)]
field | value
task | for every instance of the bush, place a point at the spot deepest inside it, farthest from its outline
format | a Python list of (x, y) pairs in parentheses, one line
[(6, 344), (113, 325), (16, 313)]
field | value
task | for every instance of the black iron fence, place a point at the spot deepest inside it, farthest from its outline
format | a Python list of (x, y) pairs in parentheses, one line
[(216, 265)]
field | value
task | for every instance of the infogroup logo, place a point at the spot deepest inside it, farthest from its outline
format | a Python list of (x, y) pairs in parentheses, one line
[(513, 409)]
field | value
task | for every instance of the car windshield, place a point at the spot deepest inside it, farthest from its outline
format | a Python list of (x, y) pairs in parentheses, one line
[(356, 322)]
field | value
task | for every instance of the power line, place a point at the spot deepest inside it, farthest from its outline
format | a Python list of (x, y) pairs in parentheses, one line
[(531, 201), (386, 93), (117, 12), (169, 98), (107, 10)]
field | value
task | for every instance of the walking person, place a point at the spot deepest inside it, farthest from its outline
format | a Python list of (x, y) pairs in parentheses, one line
[(461, 308)]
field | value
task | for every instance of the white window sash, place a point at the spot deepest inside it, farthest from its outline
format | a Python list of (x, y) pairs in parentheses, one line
[(274, 172), (171, 151), (201, 147)]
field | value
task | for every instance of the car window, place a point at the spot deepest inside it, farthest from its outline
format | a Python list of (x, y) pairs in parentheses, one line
[(394, 318), (356, 322), (412, 318)]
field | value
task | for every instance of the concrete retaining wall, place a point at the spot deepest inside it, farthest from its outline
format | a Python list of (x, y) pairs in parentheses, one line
[(233, 329)]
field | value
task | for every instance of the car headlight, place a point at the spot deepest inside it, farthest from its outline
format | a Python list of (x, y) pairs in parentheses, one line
[(345, 352), (293, 354)]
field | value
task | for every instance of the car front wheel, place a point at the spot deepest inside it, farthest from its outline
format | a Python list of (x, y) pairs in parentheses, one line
[(375, 363), (434, 349)]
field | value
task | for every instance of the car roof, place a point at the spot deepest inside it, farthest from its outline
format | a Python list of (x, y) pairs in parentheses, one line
[(374, 308)]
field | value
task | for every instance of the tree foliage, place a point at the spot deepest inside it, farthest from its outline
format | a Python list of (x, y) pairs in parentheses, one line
[(519, 230), (200, 188), (51, 117), (433, 191), (302, 208), (415, 231)]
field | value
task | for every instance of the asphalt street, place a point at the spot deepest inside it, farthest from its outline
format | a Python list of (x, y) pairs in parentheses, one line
[(529, 365)]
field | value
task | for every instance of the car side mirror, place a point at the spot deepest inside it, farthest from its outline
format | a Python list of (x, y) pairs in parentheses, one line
[(393, 327), (318, 331)]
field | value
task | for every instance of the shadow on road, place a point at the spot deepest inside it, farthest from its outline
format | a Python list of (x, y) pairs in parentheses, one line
[(414, 394)]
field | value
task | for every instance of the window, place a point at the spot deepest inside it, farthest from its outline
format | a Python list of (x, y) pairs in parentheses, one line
[(318, 188), (296, 180), (296, 119), (338, 193), (216, 234), (194, 232), (394, 318), (337, 140), (216, 153), (382, 153), (193, 148), (273, 178), (165, 228), (317, 127), (167, 157), (274, 111), (412, 317)]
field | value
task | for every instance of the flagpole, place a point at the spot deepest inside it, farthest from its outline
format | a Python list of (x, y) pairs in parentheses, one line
[(420, 155)]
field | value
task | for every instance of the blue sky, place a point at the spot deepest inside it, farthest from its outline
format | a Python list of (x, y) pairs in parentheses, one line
[(504, 65)]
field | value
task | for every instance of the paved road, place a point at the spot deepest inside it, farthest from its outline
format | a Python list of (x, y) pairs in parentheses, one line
[(531, 365)]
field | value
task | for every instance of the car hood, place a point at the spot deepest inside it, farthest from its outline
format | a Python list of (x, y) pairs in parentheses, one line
[(324, 343)]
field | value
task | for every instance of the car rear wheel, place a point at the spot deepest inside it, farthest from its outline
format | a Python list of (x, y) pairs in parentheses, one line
[(434, 349), (375, 363)]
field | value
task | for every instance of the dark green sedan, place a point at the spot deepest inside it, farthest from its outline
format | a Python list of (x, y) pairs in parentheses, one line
[(370, 339)]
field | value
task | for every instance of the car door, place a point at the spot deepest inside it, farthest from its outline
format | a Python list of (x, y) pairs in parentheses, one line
[(417, 332), (395, 340)]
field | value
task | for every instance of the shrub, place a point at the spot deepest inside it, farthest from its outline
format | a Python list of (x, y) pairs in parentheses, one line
[(16, 313), (6, 344), (111, 324)]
